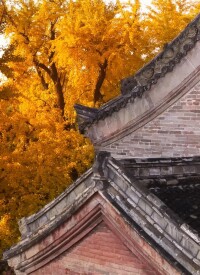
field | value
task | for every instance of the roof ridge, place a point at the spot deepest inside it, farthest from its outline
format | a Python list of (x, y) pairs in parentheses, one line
[(135, 86), (172, 54)]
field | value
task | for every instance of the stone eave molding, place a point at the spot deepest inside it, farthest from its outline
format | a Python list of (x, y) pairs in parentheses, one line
[(136, 205), (154, 217), (165, 61), (97, 213), (33, 223), (65, 242), (136, 86), (156, 107), (161, 96)]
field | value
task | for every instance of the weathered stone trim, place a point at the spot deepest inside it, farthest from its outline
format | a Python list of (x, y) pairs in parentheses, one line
[(98, 208), (32, 223), (153, 112), (135, 86), (165, 61), (158, 168), (178, 268), (53, 223), (65, 242), (155, 218)]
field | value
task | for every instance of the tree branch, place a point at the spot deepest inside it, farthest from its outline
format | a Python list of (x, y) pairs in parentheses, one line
[(59, 88), (42, 66), (102, 75), (44, 83)]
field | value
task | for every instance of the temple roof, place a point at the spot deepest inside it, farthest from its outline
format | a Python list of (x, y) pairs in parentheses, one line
[(142, 191), (183, 199), (156, 197), (175, 181), (136, 85)]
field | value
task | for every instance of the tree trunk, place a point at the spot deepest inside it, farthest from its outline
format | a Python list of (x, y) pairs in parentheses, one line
[(53, 74), (59, 88)]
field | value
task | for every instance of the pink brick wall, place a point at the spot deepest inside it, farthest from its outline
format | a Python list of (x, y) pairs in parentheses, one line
[(176, 132), (102, 252)]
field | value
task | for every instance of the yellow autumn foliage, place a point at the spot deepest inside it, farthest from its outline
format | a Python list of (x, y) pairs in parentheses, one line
[(166, 19), (61, 53), (38, 160)]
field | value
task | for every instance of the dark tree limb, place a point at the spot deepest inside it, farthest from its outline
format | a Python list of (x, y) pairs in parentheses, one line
[(50, 69), (58, 86), (102, 75), (44, 83), (42, 66)]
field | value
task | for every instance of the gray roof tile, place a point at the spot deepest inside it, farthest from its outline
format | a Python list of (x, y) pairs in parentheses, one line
[(134, 86)]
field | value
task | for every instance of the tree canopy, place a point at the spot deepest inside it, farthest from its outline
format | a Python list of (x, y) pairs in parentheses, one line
[(60, 53)]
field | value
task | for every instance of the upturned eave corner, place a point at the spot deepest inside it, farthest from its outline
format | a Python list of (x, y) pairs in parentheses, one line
[(165, 61), (85, 116), (135, 86)]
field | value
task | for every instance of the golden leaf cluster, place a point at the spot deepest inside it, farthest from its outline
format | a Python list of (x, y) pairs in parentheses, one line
[(60, 53)]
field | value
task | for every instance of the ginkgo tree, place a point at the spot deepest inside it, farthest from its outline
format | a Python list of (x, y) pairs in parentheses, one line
[(38, 160), (59, 53), (100, 49), (66, 46), (31, 29), (165, 20), (39, 154)]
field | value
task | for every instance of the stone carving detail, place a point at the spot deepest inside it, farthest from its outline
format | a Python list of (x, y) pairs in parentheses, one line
[(98, 167), (135, 86), (165, 61)]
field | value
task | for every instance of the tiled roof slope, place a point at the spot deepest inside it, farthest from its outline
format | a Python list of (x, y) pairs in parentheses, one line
[(175, 181), (183, 199), (129, 186), (135, 86)]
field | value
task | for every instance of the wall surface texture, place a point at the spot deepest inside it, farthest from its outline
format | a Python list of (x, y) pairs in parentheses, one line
[(175, 132), (99, 253)]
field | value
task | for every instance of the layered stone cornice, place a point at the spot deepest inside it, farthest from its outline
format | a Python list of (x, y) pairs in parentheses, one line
[(171, 59), (164, 62), (117, 197)]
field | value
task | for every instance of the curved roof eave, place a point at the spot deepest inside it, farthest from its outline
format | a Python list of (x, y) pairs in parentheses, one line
[(136, 85)]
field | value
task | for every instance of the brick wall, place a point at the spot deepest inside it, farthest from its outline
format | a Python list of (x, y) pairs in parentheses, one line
[(99, 253), (176, 132)]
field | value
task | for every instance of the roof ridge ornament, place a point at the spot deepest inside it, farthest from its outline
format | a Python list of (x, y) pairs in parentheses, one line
[(100, 163), (166, 60), (135, 86)]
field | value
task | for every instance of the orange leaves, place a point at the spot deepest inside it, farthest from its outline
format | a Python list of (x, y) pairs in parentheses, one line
[(5, 231), (37, 162), (93, 33), (165, 20), (76, 50)]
